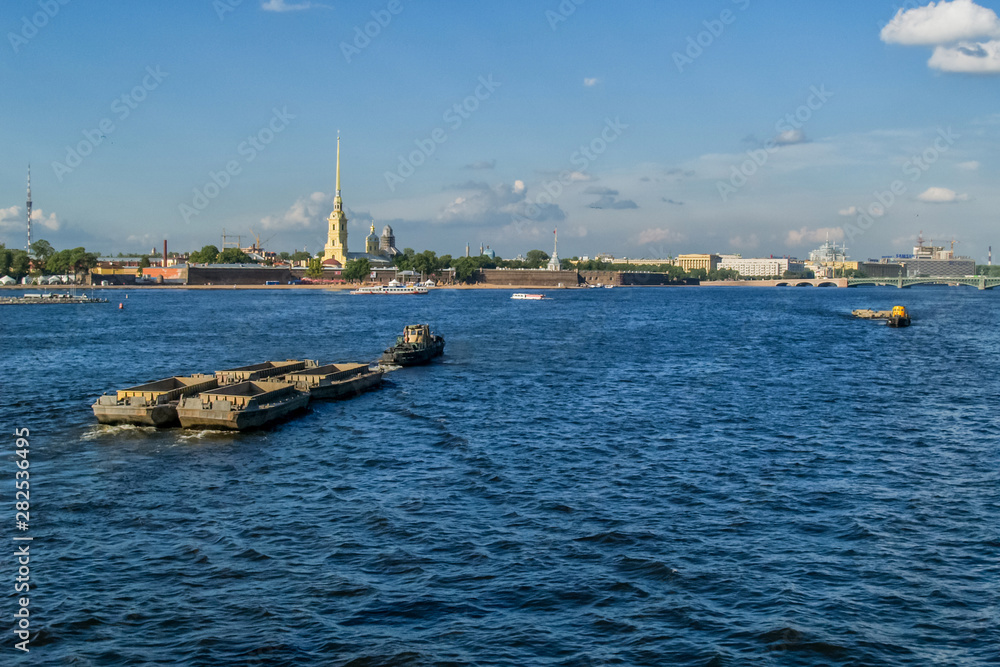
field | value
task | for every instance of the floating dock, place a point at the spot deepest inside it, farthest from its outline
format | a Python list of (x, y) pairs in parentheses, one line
[(47, 299)]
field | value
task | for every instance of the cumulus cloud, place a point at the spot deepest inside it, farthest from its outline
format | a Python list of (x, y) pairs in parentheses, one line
[(964, 35), (482, 164), (790, 138), (305, 213), (483, 205), (967, 58), (671, 201), (612, 202), (941, 23), (13, 217), (591, 82), (941, 196), (848, 212), (658, 235), (804, 235), (749, 242), (972, 165)]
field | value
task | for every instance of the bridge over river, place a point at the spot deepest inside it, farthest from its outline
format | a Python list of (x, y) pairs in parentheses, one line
[(979, 282)]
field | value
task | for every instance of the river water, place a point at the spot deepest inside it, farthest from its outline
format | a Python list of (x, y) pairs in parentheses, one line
[(637, 476)]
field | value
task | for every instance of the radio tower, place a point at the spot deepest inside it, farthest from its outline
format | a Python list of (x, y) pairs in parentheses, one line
[(29, 208)]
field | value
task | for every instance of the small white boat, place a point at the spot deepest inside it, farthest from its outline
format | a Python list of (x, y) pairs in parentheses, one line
[(527, 297), (386, 289)]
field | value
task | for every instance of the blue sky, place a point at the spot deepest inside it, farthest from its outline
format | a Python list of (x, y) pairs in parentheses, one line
[(684, 107)]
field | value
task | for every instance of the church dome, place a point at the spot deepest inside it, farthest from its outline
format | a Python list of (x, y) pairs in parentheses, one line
[(387, 231)]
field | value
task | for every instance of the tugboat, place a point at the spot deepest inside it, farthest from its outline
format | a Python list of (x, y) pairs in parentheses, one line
[(898, 318), (416, 346)]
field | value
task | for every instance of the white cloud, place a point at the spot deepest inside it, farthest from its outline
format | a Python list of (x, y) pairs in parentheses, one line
[(50, 221), (485, 205), (941, 23), (11, 218), (750, 242), (591, 82), (658, 235), (305, 213), (790, 137), (967, 58), (848, 212), (798, 237), (941, 196), (280, 6), (972, 165)]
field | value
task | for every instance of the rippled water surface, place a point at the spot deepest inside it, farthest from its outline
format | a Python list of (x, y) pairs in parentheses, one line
[(643, 476)]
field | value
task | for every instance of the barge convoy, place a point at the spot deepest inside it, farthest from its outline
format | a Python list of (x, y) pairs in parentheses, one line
[(248, 397)]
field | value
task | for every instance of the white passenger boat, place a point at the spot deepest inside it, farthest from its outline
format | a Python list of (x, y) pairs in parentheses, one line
[(527, 297), (386, 289)]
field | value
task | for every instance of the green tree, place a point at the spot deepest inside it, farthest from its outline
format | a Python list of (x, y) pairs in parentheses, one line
[(42, 250), (17, 263), (300, 256), (207, 255), (465, 269), (315, 268), (234, 256), (144, 263), (536, 258), (356, 269)]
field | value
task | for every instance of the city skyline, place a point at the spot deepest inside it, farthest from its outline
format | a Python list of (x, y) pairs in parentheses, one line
[(722, 127)]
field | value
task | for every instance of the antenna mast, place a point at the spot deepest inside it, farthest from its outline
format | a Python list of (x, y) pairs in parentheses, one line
[(29, 208)]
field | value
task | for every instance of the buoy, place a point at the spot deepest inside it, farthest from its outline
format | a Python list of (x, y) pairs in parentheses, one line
[(126, 296), (121, 306)]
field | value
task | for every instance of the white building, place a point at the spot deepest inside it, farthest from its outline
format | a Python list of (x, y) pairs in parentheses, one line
[(753, 267)]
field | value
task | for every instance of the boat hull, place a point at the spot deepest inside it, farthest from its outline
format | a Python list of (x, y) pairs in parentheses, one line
[(405, 355), (240, 420), (348, 388), (898, 322), (160, 416)]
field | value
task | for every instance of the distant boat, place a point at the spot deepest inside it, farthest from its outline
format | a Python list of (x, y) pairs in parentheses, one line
[(390, 289), (527, 297)]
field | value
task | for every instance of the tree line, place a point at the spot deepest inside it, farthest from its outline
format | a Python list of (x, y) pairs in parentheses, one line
[(45, 260)]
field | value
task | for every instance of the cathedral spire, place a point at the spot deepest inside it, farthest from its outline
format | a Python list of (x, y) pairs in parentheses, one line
[(336, 239), (338, 165)]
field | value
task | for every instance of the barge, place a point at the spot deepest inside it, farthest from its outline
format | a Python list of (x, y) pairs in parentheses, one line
[(151, 404), (417, 345), (262, 371), (242, 406), (335, 380)]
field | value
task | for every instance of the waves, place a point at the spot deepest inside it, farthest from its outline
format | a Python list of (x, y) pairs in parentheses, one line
[(618, 480)]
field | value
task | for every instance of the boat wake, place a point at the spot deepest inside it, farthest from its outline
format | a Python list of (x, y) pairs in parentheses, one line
[(112, 430)]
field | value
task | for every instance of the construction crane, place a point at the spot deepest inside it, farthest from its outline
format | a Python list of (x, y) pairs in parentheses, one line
[(258, 245), (953, 242)]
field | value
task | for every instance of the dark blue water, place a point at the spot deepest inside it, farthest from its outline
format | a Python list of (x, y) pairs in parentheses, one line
[(678, 476)]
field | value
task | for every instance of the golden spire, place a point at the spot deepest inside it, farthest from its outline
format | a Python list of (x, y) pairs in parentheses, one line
[(338, 165)]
